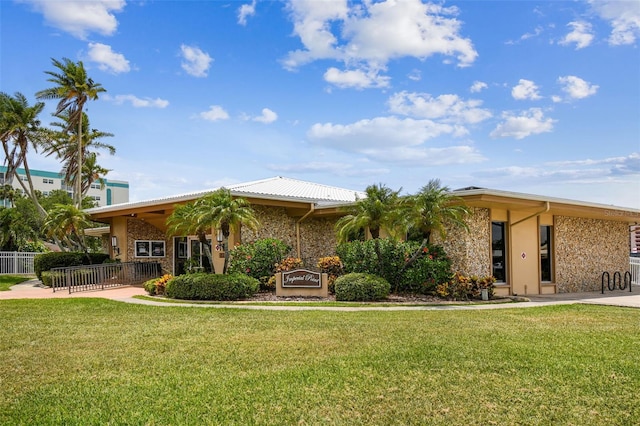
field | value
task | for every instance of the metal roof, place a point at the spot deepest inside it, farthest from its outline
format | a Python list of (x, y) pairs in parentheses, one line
[(275, 188)]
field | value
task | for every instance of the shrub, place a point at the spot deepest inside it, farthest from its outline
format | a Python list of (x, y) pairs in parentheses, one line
[(286, 264), (332, 266), (401, 264), (358, 287), (47, 261), (461, 287), (258, 259), (157, 286), (48, 277), (203, 286)]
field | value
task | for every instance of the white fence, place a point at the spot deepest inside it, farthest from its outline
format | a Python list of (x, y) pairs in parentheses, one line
[(19, 263), (634, 268)]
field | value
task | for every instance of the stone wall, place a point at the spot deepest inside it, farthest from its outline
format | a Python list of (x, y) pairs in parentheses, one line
[(140, 230), (469, 251), (585, 248), (317, 235)]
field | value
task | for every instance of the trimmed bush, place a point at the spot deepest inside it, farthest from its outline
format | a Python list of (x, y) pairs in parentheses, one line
[(332, 266), (461, 287), (47, 261), (358, 287), (203, 286)]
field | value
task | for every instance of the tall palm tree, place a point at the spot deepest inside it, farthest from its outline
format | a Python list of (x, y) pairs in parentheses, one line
[(219, 210), (73, 88), (19, 130), (64, 145), (433, 209), (183, 221), (379, 209), (92, 172), (67, 224)]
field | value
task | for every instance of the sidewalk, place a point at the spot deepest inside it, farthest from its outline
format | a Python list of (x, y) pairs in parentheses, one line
[(31, 290)]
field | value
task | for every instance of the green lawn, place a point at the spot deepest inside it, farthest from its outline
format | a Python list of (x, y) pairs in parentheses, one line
[(92, 361), (7, 281)]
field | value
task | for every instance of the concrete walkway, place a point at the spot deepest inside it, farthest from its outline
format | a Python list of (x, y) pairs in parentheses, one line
[(32, 290)]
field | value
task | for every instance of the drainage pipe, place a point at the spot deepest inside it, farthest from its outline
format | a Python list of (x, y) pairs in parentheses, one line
[(546, 209), (298, 222)]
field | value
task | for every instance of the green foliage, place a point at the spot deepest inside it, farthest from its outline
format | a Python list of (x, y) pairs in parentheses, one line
[(202, 286), (157, 286), (258, 259), (46, 261), (149, 286), (430, 267), (461, 287), (357, 287)]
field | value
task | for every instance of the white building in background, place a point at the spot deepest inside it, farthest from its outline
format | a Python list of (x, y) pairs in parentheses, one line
[(113, 191)]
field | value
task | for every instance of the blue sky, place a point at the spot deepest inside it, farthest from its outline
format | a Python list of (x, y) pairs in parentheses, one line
[(535, 97)]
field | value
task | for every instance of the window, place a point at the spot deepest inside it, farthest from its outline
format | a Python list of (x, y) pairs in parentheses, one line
[(95, 197), (546, 246), (148, 248), (95, 186), (48, 181), (498, 251)]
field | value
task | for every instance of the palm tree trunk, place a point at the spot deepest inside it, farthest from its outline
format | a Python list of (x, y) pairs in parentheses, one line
[(78, 182)]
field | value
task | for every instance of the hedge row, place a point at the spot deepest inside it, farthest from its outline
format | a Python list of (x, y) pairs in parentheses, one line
[(47, 261), (204, 286)]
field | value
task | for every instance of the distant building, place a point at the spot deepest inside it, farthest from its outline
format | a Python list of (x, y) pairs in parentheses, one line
[(113, 191)]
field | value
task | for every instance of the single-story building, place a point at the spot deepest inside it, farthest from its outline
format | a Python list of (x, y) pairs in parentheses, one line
[(530, 243)]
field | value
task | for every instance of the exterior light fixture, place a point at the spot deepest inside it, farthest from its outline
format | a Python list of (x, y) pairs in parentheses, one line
[(114, 241), (219, 237)]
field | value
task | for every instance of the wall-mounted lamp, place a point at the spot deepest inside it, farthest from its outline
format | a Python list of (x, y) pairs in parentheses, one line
[(219, 237), (114, 241)]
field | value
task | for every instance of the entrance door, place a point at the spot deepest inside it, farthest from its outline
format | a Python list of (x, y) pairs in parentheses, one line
[(196, 253)]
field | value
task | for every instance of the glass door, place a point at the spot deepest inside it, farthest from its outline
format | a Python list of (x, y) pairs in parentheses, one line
[(197, 255)]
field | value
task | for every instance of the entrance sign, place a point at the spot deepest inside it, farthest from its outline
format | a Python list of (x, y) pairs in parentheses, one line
[(301, 278), (302, 282)]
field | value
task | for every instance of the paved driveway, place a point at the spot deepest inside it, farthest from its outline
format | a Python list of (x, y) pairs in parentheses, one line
[(32, 290)]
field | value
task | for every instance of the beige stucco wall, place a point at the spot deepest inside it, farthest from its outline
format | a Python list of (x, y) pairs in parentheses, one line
[(585, 248), (140, 230), (470, 252)]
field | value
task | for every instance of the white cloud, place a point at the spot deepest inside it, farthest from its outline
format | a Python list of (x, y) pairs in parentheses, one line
[(624, 18), (137, 102), (195, 61), (530, 122), (107, 59), (79, 18), (215, 113), (394, 140), (581, 35), (447, 108), (536, 32), (373, 33), (267, 116), (246, 10), (526, 89), (576, 87), (478, 86), (415, 75), (358, 79)]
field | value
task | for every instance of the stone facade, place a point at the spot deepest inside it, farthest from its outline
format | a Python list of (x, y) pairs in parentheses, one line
[(585, 248), (140, 230), (469, 251), (317, 235)]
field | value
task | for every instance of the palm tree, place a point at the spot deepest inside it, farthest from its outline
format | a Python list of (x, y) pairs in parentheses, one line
[(67, 224), (433, 209), (73, 88), (7, 195), (92, 172), (64, 145), (219, 210), (19, 130), (379, 209)]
